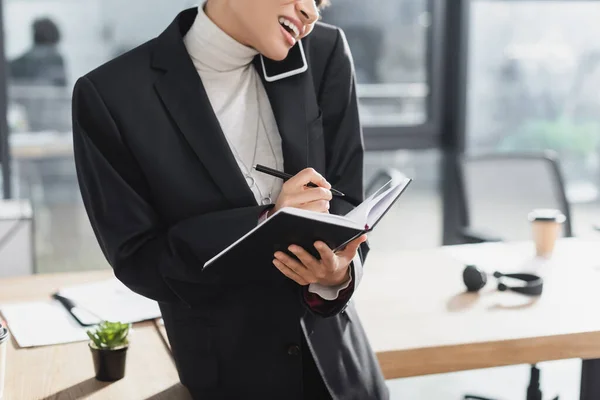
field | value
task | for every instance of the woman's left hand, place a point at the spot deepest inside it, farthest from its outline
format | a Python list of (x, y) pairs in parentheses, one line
[(331, 270)]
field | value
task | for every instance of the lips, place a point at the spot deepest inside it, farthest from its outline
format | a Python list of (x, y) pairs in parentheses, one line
[(290, 27), (291, 41)]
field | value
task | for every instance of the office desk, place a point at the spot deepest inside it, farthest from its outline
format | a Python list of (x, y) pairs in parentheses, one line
[(67, 372), (413, 307), (420, 321)]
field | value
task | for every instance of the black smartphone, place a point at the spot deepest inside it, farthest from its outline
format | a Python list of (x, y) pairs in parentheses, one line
[(294, 64)]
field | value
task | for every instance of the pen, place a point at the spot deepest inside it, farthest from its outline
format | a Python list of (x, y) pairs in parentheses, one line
[(83, 317), (285, 176)]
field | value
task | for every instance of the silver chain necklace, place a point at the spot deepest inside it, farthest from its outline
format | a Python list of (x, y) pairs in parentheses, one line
[(250, 180)]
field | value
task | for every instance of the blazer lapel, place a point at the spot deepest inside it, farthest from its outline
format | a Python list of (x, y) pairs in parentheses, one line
[(185, 98), (288, 101)]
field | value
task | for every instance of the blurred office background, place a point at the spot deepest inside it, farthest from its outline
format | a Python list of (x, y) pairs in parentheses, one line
[(436, 78)]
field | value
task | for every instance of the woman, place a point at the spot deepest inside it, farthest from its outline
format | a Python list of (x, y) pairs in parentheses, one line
[(165, 139)]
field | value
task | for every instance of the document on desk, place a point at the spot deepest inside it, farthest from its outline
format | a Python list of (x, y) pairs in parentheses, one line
[(111, 300), (48, 322), (41, 323)]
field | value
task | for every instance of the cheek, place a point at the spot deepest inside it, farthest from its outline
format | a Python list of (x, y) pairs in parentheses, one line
[(309, 29)]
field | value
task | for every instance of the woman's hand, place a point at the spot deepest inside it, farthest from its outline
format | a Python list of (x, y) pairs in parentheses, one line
[(295, 193), (331, 270)]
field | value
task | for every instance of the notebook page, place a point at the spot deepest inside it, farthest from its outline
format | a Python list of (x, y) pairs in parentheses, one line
[(360, 213), (384, 202)]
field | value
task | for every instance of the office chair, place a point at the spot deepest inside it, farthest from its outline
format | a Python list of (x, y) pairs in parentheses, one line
[(497, 192)]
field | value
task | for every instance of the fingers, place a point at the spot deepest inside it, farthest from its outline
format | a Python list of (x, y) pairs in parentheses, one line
[(327, 255), (307, 175), (296, 267), (320, 206), (313, 194), (351, 248), (285, 270), (307, 260), (314, 199), (295, 192)]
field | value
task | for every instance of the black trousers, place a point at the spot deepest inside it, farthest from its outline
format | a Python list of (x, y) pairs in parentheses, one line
[(313, 386)]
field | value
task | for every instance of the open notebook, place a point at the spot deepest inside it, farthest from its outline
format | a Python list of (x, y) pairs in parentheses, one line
[(295, 226)]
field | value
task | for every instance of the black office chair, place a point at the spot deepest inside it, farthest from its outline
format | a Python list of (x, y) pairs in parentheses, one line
[(497, 192)]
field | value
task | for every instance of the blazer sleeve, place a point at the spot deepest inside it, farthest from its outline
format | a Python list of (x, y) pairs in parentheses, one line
[(344, 156), (153, 259)]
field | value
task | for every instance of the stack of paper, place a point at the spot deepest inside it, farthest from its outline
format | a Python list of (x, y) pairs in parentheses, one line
[(112, 301), (48, 322), (42, 323)]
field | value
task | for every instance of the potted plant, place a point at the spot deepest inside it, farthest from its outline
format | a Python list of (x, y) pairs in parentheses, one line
[(109, 344)]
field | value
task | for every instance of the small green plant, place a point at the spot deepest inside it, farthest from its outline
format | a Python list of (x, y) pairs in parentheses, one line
[(110, 335)]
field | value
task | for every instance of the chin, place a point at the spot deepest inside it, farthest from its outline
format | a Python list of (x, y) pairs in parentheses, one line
[(276, 52)]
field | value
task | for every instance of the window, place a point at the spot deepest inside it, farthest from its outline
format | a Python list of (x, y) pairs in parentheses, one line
[(533, 85), (389, 44), (49, 44)]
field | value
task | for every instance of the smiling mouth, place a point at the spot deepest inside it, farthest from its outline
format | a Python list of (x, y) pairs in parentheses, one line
[(290, 27)]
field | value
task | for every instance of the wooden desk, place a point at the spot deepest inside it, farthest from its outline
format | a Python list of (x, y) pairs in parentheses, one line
[(420, 320), (427, 324), (67, 372)]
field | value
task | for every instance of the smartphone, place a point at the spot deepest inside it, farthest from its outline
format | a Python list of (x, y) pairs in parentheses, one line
[(293, 64)]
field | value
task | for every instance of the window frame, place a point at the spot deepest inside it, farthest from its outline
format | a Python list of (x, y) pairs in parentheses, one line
[(455, 106), (429, 134), (5, 158)]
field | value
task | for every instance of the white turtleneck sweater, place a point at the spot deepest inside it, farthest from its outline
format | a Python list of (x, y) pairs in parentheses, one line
[(242, 107)]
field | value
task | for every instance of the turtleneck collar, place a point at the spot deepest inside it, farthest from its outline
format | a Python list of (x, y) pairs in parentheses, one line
[(213, 50)]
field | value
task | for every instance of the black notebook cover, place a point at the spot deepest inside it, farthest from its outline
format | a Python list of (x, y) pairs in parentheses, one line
[(285, 228), (277, 234)]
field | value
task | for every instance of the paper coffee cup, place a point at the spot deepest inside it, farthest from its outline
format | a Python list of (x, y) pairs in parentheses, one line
[(3, 351), (546, 225)]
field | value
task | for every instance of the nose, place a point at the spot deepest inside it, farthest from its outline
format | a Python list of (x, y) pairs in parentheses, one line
[(309, 13)]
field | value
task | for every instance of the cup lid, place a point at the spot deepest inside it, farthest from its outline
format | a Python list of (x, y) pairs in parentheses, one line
[(547, 214)]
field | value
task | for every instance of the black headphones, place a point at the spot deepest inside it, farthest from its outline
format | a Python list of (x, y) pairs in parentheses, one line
[(475, 279)]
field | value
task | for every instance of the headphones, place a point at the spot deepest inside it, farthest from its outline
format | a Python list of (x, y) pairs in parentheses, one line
[(475, 279)]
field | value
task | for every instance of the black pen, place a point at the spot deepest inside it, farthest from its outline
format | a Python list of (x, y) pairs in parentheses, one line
[(82, 316), (285, 176)]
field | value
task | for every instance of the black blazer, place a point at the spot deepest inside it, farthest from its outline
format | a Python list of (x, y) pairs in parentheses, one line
[(164, 194)]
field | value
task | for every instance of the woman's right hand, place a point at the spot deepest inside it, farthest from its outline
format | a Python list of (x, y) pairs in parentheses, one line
[(295, 193)]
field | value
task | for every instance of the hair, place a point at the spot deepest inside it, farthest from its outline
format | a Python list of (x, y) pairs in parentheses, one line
[(45, 31), (322, 3)]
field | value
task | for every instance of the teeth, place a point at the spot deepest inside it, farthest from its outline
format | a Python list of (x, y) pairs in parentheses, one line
[(291, 25)]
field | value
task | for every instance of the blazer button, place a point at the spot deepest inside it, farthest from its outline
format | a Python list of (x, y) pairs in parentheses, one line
[(294, 350)]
